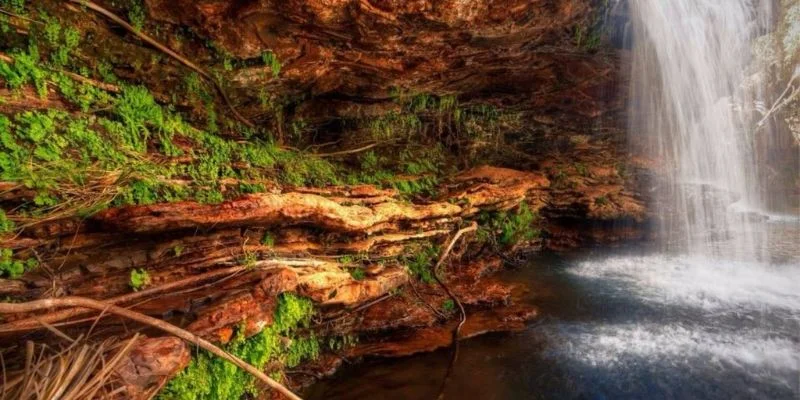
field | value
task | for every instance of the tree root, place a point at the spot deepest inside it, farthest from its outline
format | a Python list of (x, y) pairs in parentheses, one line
[(457, 328), (37, 305)]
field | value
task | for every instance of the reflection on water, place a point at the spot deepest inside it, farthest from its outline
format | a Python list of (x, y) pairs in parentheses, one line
[(629, 324)]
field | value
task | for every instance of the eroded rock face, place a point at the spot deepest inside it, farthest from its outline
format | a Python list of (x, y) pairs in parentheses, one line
[(346, 56), (358, 46), (150, 364)]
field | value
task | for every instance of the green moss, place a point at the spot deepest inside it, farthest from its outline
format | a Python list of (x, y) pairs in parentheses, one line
[(62, 41), (209, 377), (136, 14), (509, 229), (14, 268), (601, 201), (25, 69), (139, 279), (6, 225), (448, 306), (14, 6)]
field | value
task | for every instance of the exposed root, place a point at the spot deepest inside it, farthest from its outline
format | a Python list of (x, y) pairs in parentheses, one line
[(457, 328)]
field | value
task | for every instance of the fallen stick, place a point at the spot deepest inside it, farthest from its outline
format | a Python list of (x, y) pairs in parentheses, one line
[(141, 35), (37, 305)]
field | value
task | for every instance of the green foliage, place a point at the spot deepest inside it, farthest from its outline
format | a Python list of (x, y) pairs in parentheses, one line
[(25, 69), (581, 169), (510, 229), (139, 279), (177, 250), (268, 240), (14, 6), (138, 109), (6, 225), (62, 41), (210, 377), (421, 262), (249, 259), (357, 273), (14, 268), (448, 306), (337, 343), (601, 201), (271, 60), (136, 14)]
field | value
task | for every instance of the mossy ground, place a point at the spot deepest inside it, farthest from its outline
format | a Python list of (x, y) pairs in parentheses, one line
[(210, 377)]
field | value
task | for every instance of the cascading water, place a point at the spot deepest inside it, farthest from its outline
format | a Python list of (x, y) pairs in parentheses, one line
[(715, 314), (689, 112)]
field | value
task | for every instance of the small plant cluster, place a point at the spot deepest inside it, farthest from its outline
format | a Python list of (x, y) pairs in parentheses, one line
[(421, 260), (412, 173), (139, 279), (16, 7), (6, 225), (14, 268), (210, 377), (337, 343), (509, 228), (72, 160)]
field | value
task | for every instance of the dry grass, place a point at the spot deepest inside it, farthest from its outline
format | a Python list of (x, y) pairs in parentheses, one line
[(80, 370)]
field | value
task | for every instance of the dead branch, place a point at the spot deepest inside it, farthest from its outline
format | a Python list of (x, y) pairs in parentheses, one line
[(37, 305), (346, 152), (141, 35)]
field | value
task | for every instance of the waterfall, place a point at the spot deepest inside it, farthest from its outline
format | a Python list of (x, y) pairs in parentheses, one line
[(689, 112)]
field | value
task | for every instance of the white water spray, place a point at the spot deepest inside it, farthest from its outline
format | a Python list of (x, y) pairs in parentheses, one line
[(690, 60)]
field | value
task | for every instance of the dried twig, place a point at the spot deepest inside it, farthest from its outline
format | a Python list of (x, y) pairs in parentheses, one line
[(141, 35), (346, 152), (37, 305), (79, 371)]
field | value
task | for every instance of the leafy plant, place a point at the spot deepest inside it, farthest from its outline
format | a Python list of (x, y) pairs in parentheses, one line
[(139, 279), (210, 377), (271, 60), (6, 225), (420, 264), (249, 259), (448, 306), (14, 268), (510, 229), (581, 169), (357, 273), (136, 14), (268, 240)]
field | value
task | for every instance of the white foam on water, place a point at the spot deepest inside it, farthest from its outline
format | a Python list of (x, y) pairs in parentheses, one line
[(696, 281), (617, 347)]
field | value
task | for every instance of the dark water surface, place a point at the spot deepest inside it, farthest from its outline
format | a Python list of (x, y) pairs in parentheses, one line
[(620, 324)]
